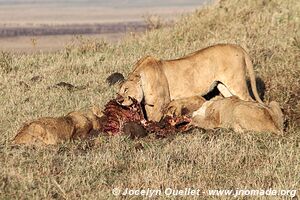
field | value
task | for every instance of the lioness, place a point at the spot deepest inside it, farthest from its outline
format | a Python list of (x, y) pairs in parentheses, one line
[(157, 82), (50, 130), (232, 112)]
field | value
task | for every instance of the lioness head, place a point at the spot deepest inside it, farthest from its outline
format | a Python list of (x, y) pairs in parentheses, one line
[(130, 90)]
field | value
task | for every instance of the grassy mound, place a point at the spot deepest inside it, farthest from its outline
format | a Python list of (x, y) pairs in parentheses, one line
[(268, 30)]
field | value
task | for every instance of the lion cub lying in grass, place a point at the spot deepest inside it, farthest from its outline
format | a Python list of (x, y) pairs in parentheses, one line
[(230, 112), (51, 130)]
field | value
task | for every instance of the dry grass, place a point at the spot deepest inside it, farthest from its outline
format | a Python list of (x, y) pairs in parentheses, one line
[(269, 30), (50, 43)]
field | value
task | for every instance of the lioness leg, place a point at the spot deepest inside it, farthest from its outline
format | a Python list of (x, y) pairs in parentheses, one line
[(235, 88), (156, 90), (224, 90), (153, 112)]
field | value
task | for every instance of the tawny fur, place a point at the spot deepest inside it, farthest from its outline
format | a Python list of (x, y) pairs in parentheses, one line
[(239, 115), (157, 82), (184, 106), (51, 130)]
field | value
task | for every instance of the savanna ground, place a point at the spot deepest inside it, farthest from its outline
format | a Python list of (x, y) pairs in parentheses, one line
[(219, 159)]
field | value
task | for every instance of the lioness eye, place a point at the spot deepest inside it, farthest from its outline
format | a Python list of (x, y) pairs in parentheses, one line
[(126, 90)]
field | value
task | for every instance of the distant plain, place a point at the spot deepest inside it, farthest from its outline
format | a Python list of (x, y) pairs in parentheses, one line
[(56, 15)]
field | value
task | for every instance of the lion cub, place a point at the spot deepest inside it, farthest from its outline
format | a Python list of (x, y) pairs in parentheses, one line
[(51, 130), (184, 106), (240, 115)]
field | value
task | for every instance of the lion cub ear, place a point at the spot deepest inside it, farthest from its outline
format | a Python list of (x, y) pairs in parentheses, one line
[(96, 111)]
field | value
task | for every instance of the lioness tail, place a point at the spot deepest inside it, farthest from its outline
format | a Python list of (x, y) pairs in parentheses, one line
[(250, 69)]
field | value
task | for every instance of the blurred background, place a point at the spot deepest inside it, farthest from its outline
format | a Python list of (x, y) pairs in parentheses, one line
[(28, 26)]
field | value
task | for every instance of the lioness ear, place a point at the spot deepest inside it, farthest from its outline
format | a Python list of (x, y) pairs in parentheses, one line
[(96, 111)]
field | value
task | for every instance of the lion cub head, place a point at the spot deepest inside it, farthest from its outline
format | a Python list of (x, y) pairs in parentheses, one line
[(129, 90)]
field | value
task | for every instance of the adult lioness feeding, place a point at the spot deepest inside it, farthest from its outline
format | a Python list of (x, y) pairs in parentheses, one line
[(157, 82)]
